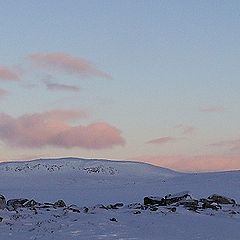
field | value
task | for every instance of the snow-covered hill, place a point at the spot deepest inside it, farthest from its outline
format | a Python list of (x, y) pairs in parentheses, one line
[(92, 182), (84, 166)]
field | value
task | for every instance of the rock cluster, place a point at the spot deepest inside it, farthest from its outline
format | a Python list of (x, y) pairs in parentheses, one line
[(214, 201), (168, 203)]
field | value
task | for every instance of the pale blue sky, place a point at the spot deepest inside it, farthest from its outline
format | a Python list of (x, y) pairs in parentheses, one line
[(168, 60)]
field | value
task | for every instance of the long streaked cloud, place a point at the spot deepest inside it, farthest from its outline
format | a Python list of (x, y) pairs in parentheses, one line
[(162, 140), (52, 128), (8, 74), (67, 63), (61, 87), (212, 109), (200, 163)]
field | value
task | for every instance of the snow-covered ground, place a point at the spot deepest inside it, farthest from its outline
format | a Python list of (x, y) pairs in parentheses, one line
[(89, 183)]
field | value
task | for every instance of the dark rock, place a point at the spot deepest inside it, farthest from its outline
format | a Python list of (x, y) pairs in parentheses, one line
[(174, 198), (115, 206), (113, 219), (167, 200), (1, 219), (137, 212), (85, 210), (13, 204), (173, 209), (73, 208), (221, 199), (154, 201), (152, 208), (118, 205), (32, 203), (2, 202), (213, 206), (190, 203), (59, 204), (101, 206), (136, 206)]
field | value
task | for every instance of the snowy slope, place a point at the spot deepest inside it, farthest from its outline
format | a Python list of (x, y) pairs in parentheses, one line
[(90, 182)]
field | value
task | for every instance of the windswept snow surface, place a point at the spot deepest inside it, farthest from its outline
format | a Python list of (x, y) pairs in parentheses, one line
[(90, 182)]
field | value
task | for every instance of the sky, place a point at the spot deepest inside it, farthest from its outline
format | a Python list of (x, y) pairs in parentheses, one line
[(153, 81)]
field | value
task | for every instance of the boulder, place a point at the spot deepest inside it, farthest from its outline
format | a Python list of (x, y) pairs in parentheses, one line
[(59, 203), (189, 203), (168, 199), (154, 201), (174, 198), (221, 199), (13, 204), (2, 202), (32, 203)]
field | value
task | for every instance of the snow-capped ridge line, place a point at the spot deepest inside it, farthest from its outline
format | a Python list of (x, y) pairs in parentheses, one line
[(86, 166)]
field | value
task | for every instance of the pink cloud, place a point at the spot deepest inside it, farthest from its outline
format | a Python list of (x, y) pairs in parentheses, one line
[(162, 140), (186, 129), (61, 87), (68, 64), (52, 128), (3, 92), (213, 109), (201, 163), (8, 74)]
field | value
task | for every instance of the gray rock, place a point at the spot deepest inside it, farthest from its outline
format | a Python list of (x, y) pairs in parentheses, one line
[(2, 202), (59, 203), (221, 199), (13, 204)]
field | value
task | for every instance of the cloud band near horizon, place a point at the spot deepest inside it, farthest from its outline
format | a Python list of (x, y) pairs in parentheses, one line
[(52, 128)]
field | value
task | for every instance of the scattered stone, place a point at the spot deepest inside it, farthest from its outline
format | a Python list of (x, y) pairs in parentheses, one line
[(137, 212), (73, 208), (59, 204), (113, 219), (172, 209), (114, 206), (85, 210), (137, 206), (2, 202), (152, 208), (101, 206)]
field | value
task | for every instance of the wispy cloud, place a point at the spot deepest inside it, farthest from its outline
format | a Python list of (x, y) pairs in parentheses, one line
[(52, 128), (162, 140), (212, 109), (67, 63), (233, 145), (186, 129), (8, 74), (3, 92), (60, 87), (200, 163)]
